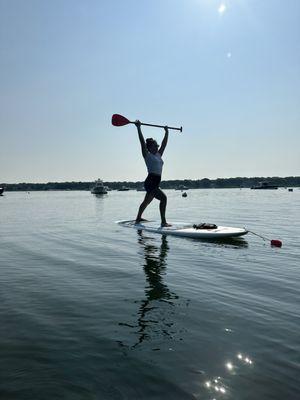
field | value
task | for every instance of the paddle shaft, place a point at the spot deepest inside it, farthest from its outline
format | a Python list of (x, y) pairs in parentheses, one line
[(159, 126)]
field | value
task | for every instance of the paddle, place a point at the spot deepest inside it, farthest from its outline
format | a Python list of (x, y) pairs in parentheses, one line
[(119, 120)]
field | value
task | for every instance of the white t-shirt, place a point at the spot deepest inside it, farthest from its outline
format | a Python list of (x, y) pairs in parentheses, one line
[(154, 163)]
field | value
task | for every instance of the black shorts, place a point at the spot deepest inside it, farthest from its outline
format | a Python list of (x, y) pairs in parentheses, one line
[(152, 182)]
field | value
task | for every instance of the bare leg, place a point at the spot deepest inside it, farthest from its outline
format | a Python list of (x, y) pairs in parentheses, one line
[(147, 200), (159, 195)]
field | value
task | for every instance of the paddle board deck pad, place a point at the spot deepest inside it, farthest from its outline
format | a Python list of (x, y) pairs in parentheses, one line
[(186, 230)]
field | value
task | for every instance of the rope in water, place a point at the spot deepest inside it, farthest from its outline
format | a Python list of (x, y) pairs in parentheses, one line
[(273, 242)]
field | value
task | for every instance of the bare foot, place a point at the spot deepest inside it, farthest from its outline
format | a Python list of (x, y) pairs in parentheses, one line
[(165, 225), (138, 221)]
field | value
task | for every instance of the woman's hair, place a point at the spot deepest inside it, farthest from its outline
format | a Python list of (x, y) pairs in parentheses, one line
[(149, 142)]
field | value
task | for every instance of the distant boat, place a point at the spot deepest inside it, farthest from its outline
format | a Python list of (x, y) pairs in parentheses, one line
[(181, 187), (123, 189), (99, 188), (184, 194), (264, 185), (1, 191)]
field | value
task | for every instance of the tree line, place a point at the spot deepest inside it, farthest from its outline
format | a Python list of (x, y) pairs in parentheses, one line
[(205, 183)]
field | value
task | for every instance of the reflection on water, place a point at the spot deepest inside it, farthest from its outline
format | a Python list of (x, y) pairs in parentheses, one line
[(151, 318), (155, 268), (238, 242), (155, 310)]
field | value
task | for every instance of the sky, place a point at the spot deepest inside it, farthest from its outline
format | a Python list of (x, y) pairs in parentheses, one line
[(227, 71)]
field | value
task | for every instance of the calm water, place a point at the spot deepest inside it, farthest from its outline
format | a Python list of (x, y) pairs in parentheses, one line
[(93, 310)]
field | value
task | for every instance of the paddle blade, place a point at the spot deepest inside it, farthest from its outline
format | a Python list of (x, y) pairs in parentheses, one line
[(119, 120)]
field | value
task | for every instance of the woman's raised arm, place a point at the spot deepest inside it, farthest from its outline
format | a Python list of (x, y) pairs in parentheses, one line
[(141, 137), (164, 142)]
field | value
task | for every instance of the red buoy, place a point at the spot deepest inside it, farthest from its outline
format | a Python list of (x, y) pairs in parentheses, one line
[(276, 243)]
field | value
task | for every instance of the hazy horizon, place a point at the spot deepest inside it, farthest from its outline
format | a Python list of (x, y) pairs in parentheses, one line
[(141, 180), (227, 71)]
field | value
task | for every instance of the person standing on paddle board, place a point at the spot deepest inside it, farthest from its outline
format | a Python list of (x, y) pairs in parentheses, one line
[(152, 154)]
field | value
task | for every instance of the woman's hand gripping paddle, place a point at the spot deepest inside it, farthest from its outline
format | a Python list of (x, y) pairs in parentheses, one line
[(119, 120)]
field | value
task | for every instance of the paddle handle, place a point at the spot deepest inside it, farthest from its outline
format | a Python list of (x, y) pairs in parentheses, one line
[(160, 126)]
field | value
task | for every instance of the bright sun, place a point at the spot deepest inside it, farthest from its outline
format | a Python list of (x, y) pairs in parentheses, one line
[(222, 8)]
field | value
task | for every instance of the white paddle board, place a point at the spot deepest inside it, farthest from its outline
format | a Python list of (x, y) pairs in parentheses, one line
[(185, 230)]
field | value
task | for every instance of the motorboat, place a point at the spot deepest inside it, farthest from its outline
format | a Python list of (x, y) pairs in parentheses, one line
[(123, 189), (181, 187), (264, 185), (99, 188), (1, 191)]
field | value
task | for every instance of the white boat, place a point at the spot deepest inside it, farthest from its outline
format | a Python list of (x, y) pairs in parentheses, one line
[(264, 185), (99, 188), (181, 187), (123, 189)]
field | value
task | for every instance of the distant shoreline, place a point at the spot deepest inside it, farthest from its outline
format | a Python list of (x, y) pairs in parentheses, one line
[(180, 184)]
